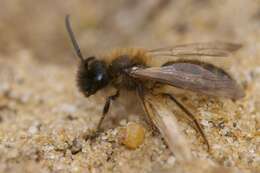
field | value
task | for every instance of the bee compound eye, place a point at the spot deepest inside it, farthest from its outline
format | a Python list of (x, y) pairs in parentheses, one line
[(99, 77)]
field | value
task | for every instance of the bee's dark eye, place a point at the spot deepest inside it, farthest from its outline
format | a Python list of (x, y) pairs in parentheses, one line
[(92, 77), (98, 72)]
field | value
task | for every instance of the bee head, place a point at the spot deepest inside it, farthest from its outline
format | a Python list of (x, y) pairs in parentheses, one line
[(92, 76)]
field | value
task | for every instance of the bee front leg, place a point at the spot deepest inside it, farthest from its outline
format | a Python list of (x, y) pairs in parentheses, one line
[(106, 108), (105, 111)]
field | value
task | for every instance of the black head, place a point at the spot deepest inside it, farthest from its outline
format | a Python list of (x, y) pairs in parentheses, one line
[(92, 74)]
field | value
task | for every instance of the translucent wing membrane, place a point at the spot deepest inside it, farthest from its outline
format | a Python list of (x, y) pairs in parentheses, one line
[(194, 76), (215, 49), (167, 124)]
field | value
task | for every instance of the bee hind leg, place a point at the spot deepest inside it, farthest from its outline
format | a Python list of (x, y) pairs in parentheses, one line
[(190, 115)]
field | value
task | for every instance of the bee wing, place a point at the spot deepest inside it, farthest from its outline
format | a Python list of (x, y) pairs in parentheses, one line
[(211, 49), (203, 78), (167, 124)]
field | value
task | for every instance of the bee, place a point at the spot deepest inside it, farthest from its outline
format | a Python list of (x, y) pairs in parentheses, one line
[(130, 69)]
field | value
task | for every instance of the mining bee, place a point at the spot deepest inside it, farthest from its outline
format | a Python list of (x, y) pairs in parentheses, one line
[(131, 69)]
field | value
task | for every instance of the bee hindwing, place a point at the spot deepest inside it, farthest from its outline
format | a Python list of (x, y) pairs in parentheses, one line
[(166, 123)]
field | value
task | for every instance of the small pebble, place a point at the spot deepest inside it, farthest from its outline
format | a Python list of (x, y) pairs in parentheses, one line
[(123, 122), (171, 160), (66, 108), (34, 128), (132, 136)]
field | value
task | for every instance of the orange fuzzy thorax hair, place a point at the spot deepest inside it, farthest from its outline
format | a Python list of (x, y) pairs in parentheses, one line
[(137, 54)]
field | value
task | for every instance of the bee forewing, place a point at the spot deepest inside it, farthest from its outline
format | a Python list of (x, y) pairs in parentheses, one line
[(167, 124), (203, 78), (198, 51)]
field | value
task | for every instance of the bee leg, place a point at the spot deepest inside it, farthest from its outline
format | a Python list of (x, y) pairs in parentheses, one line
[(140, 93), (106, 108), (105, 111), (190, 115)]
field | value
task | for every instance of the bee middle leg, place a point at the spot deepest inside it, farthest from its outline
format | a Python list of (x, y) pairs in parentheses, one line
[(141, 94), (190, 115)]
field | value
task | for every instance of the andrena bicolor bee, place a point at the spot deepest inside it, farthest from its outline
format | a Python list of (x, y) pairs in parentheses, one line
[(130, 69)]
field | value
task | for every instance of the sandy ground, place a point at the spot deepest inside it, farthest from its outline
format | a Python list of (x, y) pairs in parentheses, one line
[(44, 120)]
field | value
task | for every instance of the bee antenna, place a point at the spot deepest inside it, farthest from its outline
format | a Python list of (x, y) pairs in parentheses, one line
[(72, 38)]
